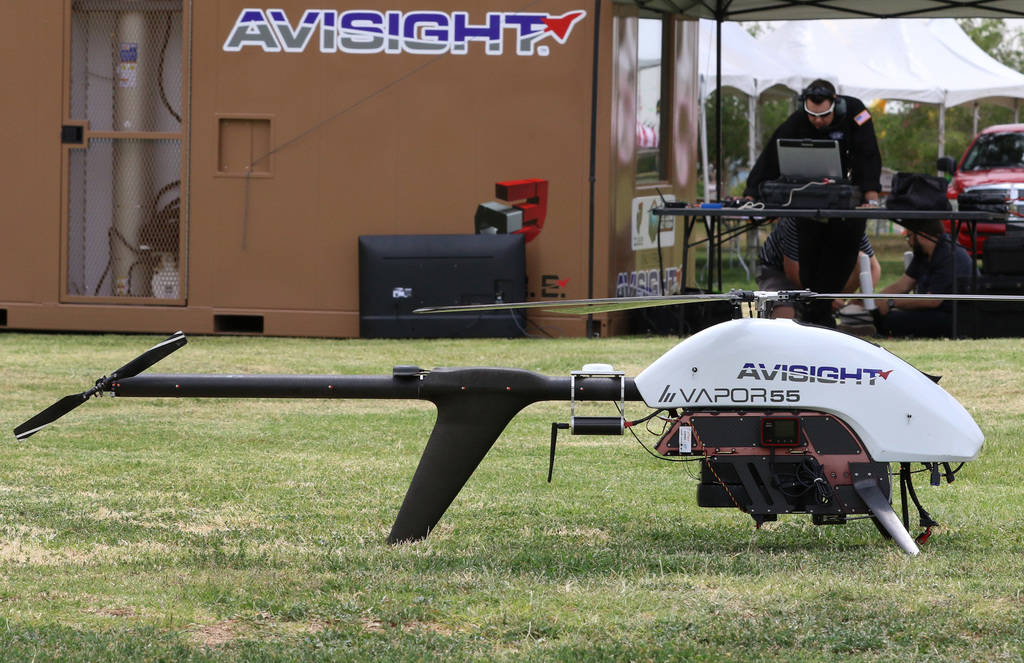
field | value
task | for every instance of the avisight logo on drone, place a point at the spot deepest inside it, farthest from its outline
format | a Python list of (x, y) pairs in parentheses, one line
[(807, 373), (393, 31)]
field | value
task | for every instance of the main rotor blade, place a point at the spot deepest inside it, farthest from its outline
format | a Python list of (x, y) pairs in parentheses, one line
[(132, 368), (584, 306), (944, 296)]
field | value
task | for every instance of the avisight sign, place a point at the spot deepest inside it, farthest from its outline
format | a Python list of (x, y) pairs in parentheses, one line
[(810, 373), (393, 31)]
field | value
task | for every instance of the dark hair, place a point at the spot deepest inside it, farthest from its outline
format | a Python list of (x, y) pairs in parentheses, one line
[(818, 91), (930, 228)]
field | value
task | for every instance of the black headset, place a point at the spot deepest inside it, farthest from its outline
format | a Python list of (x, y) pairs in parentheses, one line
[(826, 92)]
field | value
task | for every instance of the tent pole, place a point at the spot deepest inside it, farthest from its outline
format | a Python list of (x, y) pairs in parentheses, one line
[(942, 129), (751, 130), (753, 239), (718, 108), (704, 147), (593, 160)]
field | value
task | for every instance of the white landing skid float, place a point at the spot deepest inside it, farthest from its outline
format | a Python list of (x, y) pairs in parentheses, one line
[(782, 417)]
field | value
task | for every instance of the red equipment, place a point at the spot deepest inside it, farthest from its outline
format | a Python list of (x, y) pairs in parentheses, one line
[(525, 218)]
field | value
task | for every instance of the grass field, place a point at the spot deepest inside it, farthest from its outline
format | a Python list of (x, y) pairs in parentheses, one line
[(232, 530)]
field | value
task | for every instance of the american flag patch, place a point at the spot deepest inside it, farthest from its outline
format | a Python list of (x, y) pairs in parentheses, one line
[(862, 117)]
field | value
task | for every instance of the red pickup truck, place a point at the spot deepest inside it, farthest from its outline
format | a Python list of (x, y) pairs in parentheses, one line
[(993, 162)]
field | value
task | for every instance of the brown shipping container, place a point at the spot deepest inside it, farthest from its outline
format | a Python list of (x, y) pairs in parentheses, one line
[(209, 166)]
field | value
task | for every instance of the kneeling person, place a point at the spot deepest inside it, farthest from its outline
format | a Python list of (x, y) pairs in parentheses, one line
[(937, 261), (778, 266)]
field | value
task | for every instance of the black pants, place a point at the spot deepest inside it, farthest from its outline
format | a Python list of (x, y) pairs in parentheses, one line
[(922, 323), (828, 254)]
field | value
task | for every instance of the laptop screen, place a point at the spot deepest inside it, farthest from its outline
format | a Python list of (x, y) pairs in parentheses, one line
[(809, 158)]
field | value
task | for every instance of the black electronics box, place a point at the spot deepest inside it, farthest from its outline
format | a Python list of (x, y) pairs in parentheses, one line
[(787, 192), (990, 319), (400, 273), (679, 319), (983, 201), (1003, 254)]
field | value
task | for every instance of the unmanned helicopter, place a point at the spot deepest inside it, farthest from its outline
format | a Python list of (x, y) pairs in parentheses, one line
[(783, 417)]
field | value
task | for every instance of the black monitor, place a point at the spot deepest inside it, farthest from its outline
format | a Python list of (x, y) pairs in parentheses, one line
[(399, 273)]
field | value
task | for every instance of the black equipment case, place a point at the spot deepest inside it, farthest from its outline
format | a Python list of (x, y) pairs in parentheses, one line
[(917, 191), (983, 201), (991, 319), (1004, 254), (809, 194)]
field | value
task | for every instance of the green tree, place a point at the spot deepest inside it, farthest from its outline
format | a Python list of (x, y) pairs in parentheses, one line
[(994, 37), (908, 136), (734, 137)]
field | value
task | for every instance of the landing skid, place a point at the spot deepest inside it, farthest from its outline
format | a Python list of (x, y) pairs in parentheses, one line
[(881, 510)]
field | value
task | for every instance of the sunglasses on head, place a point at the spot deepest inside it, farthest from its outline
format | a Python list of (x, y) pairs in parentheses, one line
[(819, 113)]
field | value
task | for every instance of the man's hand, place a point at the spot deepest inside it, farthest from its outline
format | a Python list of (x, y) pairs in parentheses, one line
[(870, 199), (903, 285)]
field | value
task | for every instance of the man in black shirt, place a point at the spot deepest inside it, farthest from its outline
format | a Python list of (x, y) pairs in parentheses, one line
[(937, 261), (828, 247)]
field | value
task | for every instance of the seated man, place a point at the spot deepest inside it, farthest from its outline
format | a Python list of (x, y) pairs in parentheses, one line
[(778, 265), (937, 261)]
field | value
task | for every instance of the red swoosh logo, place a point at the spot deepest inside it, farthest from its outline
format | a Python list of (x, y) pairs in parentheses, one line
[(560, 25)]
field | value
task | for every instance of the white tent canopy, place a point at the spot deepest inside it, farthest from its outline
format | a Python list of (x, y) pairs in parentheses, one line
[(747, 66), (871, 69), (987, 78), (928, 61)]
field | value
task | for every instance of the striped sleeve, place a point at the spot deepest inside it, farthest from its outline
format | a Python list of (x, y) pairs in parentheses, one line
[(865, 246), (790, 238)]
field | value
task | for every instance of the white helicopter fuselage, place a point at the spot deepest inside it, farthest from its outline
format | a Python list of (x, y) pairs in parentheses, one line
[(900, 414)]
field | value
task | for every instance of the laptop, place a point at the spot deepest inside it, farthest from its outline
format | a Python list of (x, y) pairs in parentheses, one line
[(670, 203), (804, 158)]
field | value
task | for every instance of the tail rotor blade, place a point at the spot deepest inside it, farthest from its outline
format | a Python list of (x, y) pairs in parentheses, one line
[(50, 414), (151, 356), (132, 368)]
